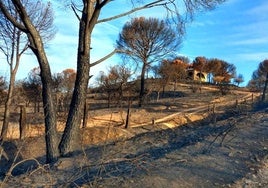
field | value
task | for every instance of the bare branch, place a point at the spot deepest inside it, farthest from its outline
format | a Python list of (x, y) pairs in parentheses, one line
[(103, 3), (10, 17), (75, 11), (104, 58), (149, 5)]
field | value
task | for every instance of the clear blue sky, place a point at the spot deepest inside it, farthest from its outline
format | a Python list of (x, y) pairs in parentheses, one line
[(235, 31)]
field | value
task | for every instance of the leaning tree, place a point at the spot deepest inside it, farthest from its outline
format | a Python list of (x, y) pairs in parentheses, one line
[(88, 14)]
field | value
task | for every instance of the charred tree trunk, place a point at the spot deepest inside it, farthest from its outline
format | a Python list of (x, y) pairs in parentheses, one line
[(142, 89), (51, 134), (71, 137)]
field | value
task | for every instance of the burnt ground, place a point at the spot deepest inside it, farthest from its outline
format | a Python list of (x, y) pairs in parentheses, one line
[(230, 152)]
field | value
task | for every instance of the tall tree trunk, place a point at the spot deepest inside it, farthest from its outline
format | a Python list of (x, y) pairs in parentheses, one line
[(51, 134), (265, 88), (70, 139), (142, 89), (71, 136)]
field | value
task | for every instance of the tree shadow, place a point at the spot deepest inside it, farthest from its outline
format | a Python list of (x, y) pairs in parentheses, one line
[(15, 164), (136, 163)]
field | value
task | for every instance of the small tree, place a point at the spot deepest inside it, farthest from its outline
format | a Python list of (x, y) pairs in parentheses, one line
[(114, 81), (172, 71), (107, 84), (213, 66), (63, 86), (239, 79), (222, 71), (32, 87), (145, 41)]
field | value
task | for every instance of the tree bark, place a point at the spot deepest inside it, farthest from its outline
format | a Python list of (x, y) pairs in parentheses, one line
[(71, 137), (51, 135), (142, 89)]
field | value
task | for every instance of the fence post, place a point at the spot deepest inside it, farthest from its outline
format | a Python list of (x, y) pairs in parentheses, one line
[(23, 122), (85, 116), (128, 114), (214, 114)]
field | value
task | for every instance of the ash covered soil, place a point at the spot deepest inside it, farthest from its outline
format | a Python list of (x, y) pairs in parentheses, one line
[(232, 152)]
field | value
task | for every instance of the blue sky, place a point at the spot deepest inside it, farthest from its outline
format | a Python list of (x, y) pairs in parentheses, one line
[(235, 31)]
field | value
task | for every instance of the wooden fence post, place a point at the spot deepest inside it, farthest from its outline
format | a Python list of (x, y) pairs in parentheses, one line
[(85, 116), (128, 115), (23, 122), (213, 112)]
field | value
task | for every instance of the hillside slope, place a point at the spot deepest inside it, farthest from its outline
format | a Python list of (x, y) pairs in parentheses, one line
[(231, 152)]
